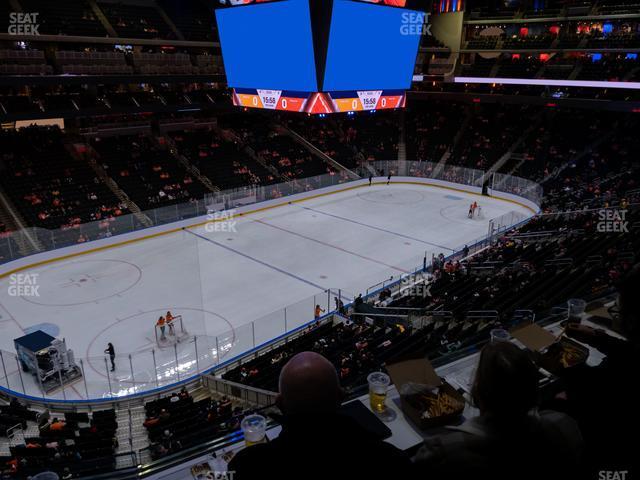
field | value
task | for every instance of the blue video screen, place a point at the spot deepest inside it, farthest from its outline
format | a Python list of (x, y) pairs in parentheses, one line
[(268, 45), (371, 47)]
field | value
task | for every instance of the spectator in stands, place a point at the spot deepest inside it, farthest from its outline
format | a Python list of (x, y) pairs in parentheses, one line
[(225, 406), (151, 422), (158, 450), (601, 398), (112, 355), (509, 435), (57, 425), (358, 300), (184, 394), (340, 306), (315, 437)]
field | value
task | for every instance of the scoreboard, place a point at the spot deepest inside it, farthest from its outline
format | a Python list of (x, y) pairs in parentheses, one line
[(309, 55), (369, 47), (367, 100), (319, 102), (270, 99), (268, 45)]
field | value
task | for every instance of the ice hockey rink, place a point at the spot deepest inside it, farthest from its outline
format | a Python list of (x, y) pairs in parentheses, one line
[(230, 281)]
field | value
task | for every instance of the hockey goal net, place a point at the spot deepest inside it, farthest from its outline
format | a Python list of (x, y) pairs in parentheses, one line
[(171, 332)]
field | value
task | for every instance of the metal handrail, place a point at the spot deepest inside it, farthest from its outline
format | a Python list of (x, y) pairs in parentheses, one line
[(476, 314), (252, 395), (416, 309), (384, 315)]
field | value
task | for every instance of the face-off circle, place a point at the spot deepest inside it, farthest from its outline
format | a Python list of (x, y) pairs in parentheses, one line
[(392, 197), (83, 282)]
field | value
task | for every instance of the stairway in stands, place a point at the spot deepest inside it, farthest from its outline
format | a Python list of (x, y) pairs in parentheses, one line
[(311, 148), (402, 142), (131, 434)]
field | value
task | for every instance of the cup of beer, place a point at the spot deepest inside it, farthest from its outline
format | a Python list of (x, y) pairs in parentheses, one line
[(378, 385), (499, 335), (254, 428)]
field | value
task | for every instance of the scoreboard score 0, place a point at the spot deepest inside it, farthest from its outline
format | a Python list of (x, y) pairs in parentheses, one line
[(269, 99), (367, 100), (319, 102)]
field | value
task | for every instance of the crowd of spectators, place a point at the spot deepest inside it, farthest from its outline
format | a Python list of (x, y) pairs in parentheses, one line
[(276, 148), (353, 139), (558, 137), (516, 429), (49, 187), (219, 159), (354, 347), (291, 159), (517, 273), (316, 439), (601, 33), (74, 445), (8, 246), (603, 67), (535, 268), (177, 421), (564, 435), (430, 132), (545, 145), (147, 171), (490, 133), (605, 172), (372, 137), (536, 92), (584, 160), (324, 135)]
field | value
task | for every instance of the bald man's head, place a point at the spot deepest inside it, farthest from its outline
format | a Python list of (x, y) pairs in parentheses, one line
[(309, 384)]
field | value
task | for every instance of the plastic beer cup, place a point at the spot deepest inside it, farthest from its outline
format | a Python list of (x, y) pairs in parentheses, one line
[(378, 384), (254, 428)]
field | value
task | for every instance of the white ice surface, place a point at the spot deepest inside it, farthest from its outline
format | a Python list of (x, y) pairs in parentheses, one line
[(222, 281)]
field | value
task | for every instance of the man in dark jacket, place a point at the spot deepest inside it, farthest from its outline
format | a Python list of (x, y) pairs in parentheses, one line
[(316, 441), (601, 398)]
